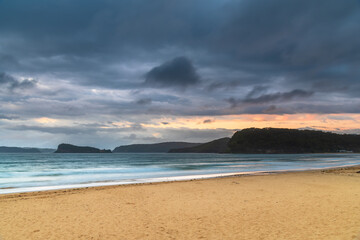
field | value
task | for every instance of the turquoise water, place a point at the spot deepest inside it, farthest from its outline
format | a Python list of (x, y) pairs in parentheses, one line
[(35, 172)]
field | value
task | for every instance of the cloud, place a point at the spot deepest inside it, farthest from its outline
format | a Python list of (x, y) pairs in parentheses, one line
[(256, 92), (223, 85), (272, 109), (268, 98), (280, 96), (8, 61), (178, 72), (208, 121), (6, 117), (13, 83), (196, 135), (341, 118), (5, 79), (54, 130), (84, 129), (263, 57), (144, 101)]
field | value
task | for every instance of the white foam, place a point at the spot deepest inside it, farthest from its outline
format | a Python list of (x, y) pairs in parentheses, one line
[(124, 182), (152, 180)]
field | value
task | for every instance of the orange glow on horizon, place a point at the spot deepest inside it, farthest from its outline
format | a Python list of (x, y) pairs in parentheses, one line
[(328, 122)]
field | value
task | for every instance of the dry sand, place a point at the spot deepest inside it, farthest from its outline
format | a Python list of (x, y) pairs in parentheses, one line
[(302, 205)]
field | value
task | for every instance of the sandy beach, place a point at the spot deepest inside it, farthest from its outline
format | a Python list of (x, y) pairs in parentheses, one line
[(301, 205)]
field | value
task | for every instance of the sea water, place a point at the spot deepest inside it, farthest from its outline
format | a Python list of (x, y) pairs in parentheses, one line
[(27, 172)]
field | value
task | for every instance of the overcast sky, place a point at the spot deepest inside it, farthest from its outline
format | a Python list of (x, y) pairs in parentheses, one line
[(106, 73)]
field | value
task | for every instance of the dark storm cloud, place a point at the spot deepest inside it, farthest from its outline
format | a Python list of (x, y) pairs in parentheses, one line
[(224, 85), (11, 83), (95, 37), (280, 96), (268, 98), (5, 79), (8, 62), (144, 101), (178, 72), (6, 117), (303, 40), (256, 92), (93, 59), (272, 109), (208, 121), (297, 33)]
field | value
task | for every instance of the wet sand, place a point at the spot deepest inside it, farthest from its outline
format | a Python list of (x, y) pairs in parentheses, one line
[(301, 205)]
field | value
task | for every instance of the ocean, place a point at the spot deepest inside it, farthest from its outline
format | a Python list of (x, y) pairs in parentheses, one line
[(28, 172)]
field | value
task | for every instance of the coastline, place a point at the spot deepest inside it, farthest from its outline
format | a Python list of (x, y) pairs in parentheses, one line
[(130, 182), (314, 204)]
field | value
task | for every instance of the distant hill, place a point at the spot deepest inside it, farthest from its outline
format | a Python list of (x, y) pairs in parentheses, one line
[(18, 150), (68, 148), (216, 146), (279, 140), (47, 150), (153, 148)]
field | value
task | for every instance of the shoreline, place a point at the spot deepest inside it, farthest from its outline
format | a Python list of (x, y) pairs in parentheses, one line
[(203, 167), (130, 184)]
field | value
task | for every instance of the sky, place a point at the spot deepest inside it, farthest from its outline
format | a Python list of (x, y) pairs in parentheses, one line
[(106, 73)]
